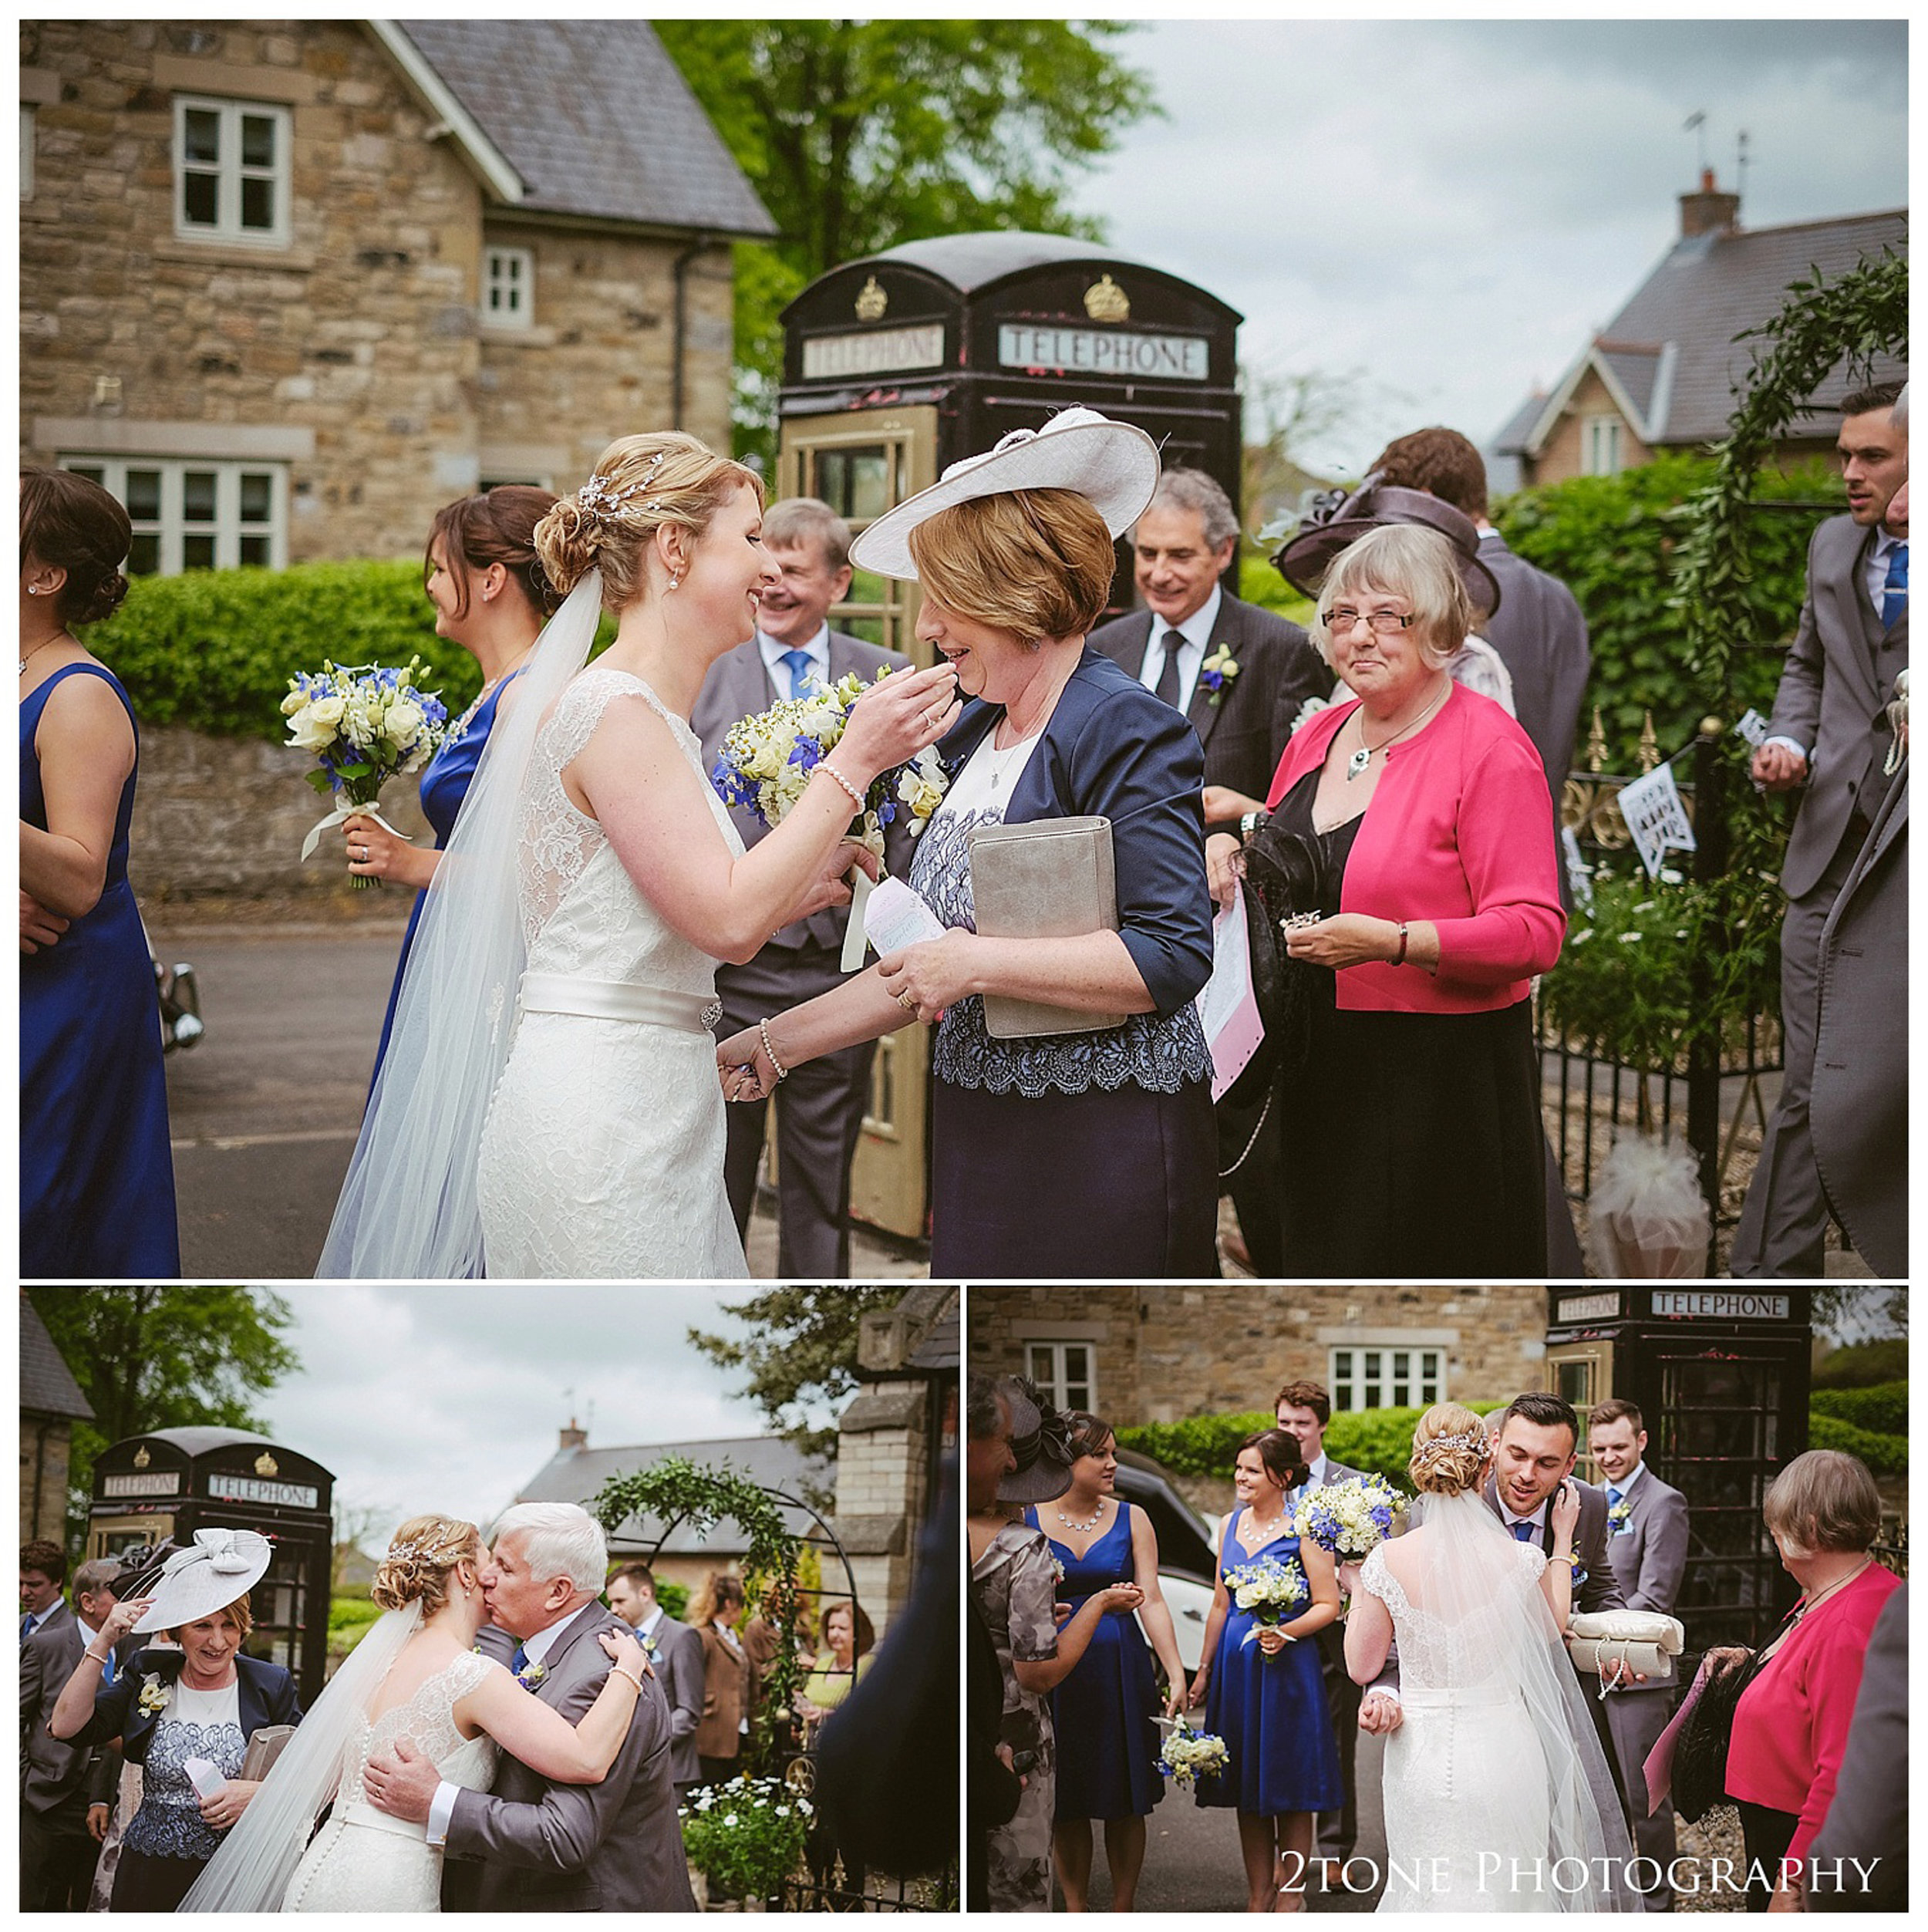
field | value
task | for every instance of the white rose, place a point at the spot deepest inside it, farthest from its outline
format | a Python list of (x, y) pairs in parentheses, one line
[(295, 700), (307, 732), (405, 719)]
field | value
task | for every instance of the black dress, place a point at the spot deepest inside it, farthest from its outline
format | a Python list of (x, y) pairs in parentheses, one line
[(1412, 1141)]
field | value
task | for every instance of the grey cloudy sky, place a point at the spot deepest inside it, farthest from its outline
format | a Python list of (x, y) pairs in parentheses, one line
[(1452, 208), (451, 1398)]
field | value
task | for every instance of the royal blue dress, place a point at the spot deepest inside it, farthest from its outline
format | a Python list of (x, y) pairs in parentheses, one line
[(96, 1175), (1271, 1711), (445, 779), (1108, 1746)]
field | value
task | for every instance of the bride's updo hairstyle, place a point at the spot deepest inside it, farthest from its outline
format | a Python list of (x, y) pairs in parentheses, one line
[(420, 1561), (1450, 1449), (639, 484)]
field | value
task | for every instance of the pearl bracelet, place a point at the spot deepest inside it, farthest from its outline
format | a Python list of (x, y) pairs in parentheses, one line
[(830, 770), (762, 1033)]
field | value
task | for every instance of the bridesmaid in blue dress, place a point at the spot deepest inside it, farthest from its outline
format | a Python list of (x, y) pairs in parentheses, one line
[(1266, 1698), (96, 1175), (1102, 1713), (490, 596)]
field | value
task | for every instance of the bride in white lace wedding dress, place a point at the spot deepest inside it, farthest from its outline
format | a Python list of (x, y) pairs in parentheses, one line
[(1497, 1795), (417, 1676), (548, 1105)]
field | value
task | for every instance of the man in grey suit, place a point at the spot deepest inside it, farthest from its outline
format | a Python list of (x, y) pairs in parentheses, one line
[(819, 1108), (1648, 1546), (1241, 675), (57, 1850), (611, 1847), (676, 1654), (1303, 1409), (1829, 738)]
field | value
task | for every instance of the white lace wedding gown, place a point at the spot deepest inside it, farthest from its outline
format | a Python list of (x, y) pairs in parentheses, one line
[(1463, 1784), (362, 1860), (602, 1155)]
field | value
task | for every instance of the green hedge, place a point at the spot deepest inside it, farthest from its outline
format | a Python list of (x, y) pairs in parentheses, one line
[(1863, 1364), (1259, 584), (1887, 1456), (1883, 1408), (1611, 541)]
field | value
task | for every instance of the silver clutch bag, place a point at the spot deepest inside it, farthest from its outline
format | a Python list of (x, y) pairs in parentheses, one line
[(1051, 878)]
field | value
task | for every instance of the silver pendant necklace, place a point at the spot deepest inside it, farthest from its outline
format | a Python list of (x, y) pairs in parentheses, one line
[(1355, 765)]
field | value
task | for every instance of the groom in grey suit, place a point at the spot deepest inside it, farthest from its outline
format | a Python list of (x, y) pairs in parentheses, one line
[(1647, 1546), (543, 1847), (819, 1108), (1829, 739)]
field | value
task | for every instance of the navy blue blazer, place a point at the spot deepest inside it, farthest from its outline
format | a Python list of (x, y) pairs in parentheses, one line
[(267, 1696), (1111, 749)]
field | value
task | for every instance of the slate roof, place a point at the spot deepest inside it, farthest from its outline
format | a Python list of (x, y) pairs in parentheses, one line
[(595, 117), (47, 1386), (1703, 292), (575, 1476)]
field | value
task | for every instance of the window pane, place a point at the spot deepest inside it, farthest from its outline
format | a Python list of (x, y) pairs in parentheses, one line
[(257, 496), (197, 553), (1040, 1361), (143, 558), (91, 471), (144, 495), (254, 550), (200, 199), (257, 141), (1077, 1361), (198, 495), (257, 202), (201, 134)]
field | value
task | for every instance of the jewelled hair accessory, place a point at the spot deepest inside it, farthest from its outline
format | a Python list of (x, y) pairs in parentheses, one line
[(601, 497), (1463, 1439)]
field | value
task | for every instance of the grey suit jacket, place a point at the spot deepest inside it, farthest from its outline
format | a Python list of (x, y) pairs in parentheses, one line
[(1541, 636), (1858, 1111), (678, 1663), (1835, 684), (1245, 725), (739, 687), (1650, 1556), (611, 1847), (52, 1773)]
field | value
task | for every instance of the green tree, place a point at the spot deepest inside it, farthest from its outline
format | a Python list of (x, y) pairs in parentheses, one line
[(859, 134), (161, 1358), (803, 1353)]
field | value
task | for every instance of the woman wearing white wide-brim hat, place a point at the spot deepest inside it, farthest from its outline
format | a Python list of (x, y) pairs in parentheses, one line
[(203, 1700), (1086, 1154)]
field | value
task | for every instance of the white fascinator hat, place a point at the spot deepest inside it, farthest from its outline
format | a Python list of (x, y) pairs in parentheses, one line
[(1114, 466), (218, 1566)]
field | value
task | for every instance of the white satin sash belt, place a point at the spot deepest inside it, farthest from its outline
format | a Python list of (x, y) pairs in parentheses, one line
[(1478, 1696), (617, 999)]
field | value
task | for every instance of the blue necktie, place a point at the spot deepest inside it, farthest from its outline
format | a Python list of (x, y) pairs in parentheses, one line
[(1612, 1497), (1524, 1532), (519, 1663), (26, 1627), (801, 675), (1894, 589)]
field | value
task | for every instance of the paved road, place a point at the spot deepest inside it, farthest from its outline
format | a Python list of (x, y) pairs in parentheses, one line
[(264, 1110)]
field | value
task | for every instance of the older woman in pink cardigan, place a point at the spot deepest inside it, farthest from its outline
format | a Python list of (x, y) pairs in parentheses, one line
[(1411, 1136)]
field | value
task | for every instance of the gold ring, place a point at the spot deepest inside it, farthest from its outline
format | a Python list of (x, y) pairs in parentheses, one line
[(906, 1002)]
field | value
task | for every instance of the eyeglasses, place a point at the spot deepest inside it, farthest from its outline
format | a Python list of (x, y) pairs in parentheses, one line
[(1340, 620)]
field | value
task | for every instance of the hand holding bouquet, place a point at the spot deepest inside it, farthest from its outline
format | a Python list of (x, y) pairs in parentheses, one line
[(365, 724), (1187, 1754), (1273, 1589)]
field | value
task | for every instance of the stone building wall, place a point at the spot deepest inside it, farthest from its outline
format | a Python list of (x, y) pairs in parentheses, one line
[(1163, 1352), (45, 1446)]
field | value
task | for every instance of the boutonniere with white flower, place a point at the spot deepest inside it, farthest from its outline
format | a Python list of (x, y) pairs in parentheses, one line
[(1620, 1514), (1217, 671), (531, 1675), (154, 1695), (648, 1644)]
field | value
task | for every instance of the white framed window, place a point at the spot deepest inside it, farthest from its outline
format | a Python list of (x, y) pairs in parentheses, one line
[(1600, 450), (232, 171), (508, 288), (189, 514), (1387, 1375), (26, 151), (1065, 1372)]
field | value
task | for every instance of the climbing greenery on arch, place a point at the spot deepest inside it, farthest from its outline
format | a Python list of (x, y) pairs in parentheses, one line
[(677, 1490)]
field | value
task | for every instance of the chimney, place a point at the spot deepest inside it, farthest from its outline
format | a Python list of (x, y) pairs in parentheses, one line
[(1707, 210), (572, 1438)]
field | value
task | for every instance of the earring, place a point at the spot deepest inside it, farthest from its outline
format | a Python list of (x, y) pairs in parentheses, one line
[(34, 590), (674, 582)]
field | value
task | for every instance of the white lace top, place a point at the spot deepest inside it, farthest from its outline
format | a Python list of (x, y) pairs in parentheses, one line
[(582, 913), (427, 1720), (1439, 1653)]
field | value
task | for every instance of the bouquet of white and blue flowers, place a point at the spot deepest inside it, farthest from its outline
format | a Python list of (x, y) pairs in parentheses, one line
[(1188, 1755), (1349, 1518), (365, 724), (766, 761), (1273, 1588)]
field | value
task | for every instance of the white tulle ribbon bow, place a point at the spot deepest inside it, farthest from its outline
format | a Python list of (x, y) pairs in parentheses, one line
[(340, 815)]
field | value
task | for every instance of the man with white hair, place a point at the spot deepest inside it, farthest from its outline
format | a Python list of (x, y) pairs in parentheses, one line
[(543, 1847)]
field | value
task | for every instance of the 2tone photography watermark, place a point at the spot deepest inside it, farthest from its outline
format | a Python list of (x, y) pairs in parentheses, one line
[(1497, 1875)]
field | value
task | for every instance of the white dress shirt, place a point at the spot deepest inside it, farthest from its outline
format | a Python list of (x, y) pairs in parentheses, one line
[(1316, 1470), (535, 1649), (1626, 1488), (1196, 630), (773, 656), (1874, 577)]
